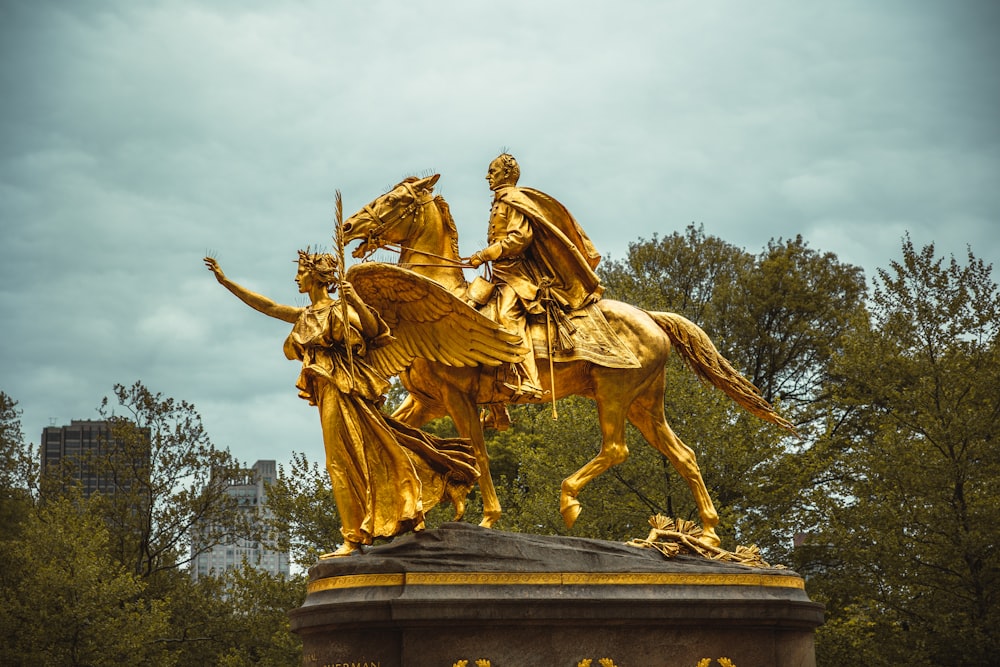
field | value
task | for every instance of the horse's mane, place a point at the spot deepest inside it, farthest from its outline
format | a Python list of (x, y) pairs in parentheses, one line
[(443, 208), (449, 222)]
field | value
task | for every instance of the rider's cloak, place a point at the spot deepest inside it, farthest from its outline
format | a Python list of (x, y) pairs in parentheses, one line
[(560, 251)]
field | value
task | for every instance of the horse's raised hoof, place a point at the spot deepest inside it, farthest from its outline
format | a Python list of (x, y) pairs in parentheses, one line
[(490, 518), (570, 509), (456, 494)]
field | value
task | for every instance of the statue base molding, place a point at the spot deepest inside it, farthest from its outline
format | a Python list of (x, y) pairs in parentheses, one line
[(464, 596)]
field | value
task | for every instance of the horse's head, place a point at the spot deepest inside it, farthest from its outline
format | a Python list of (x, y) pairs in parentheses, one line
[(387, 219)]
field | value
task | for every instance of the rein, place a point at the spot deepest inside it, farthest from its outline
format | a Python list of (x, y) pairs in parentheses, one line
[(399, 248)]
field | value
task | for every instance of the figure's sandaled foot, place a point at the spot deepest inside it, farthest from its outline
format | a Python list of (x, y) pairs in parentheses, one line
[(346, 549), (570, 509), (490, 518)]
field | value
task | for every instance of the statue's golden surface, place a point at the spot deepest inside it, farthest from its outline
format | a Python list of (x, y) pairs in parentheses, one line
[(539, 258), (385, 474), (616, 355), (457, 346)]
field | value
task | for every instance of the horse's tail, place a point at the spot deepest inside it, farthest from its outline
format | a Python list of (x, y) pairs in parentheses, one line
[(700, 355)]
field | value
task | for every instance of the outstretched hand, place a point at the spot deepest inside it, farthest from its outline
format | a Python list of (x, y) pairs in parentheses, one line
[(214, 267)]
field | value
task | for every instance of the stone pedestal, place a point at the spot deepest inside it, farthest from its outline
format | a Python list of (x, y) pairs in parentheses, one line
[(495, 599)]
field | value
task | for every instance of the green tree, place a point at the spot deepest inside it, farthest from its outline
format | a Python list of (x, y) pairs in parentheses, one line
[(304, 517), (170, 482), (65, 601), (100, 581), (906, 554), (260, 624), (780, 320), (18, 468), (238, 618), (777, 316), (678, 273), (11, 443)]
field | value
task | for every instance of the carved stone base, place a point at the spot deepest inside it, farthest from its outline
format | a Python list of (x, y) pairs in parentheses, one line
[(464, 596)]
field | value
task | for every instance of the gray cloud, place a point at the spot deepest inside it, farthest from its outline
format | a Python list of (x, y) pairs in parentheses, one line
[(134, 139)]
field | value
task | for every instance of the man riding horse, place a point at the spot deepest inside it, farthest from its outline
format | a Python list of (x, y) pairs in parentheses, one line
[(540, 259)]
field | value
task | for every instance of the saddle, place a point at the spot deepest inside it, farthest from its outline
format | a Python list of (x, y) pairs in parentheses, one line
[(579, 335)]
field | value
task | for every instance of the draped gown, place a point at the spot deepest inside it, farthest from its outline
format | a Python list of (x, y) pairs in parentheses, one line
[(384, 473)]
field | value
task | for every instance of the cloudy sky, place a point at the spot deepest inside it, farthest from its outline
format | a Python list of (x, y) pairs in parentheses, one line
[(137, 137)]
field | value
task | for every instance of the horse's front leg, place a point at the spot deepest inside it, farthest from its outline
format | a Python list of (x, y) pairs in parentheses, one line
[(465, 414), (613, 451)]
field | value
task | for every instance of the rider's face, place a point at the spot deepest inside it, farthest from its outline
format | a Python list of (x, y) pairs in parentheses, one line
[(495, 176)]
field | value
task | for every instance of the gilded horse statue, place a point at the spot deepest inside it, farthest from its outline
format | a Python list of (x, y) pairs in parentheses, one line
[(419, 224)]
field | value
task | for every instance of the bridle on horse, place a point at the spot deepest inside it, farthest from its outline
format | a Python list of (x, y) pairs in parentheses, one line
[(412, 210)]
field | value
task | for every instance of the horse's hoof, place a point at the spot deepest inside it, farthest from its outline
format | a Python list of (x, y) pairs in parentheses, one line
[(489, 518), (457, 494), (570, 509), (709, 536)]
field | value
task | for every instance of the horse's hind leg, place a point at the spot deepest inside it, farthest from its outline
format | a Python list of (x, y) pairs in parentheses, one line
[(646, 413), (611, 415)]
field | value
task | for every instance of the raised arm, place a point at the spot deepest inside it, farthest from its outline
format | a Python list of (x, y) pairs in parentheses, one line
[(256, 301)]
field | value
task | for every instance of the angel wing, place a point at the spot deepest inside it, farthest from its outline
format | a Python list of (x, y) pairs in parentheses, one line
[(428, 321)]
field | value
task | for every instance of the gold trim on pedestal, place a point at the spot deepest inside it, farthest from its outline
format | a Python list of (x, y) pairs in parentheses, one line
[(552, 579)]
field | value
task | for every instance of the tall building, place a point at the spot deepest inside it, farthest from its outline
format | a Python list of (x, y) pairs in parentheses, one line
[(84, 452), (251, 497)]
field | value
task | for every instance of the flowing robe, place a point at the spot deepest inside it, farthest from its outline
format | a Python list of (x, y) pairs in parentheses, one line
[(381, 470)]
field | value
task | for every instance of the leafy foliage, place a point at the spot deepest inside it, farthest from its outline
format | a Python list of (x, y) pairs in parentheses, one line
[(909, 540), (892, 490), (18, 468), (100, 580), (304, 517), (782, 319), (164, 465), (67, 601), (261, 631), (778, 316)]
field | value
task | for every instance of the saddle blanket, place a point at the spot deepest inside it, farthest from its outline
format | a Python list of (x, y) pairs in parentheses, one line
[(581, 335)]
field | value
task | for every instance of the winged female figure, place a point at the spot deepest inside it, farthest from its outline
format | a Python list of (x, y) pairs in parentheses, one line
[(385, 475)]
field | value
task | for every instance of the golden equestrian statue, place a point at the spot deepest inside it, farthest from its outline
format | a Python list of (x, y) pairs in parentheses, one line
[(385, 474), (621, 366)]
